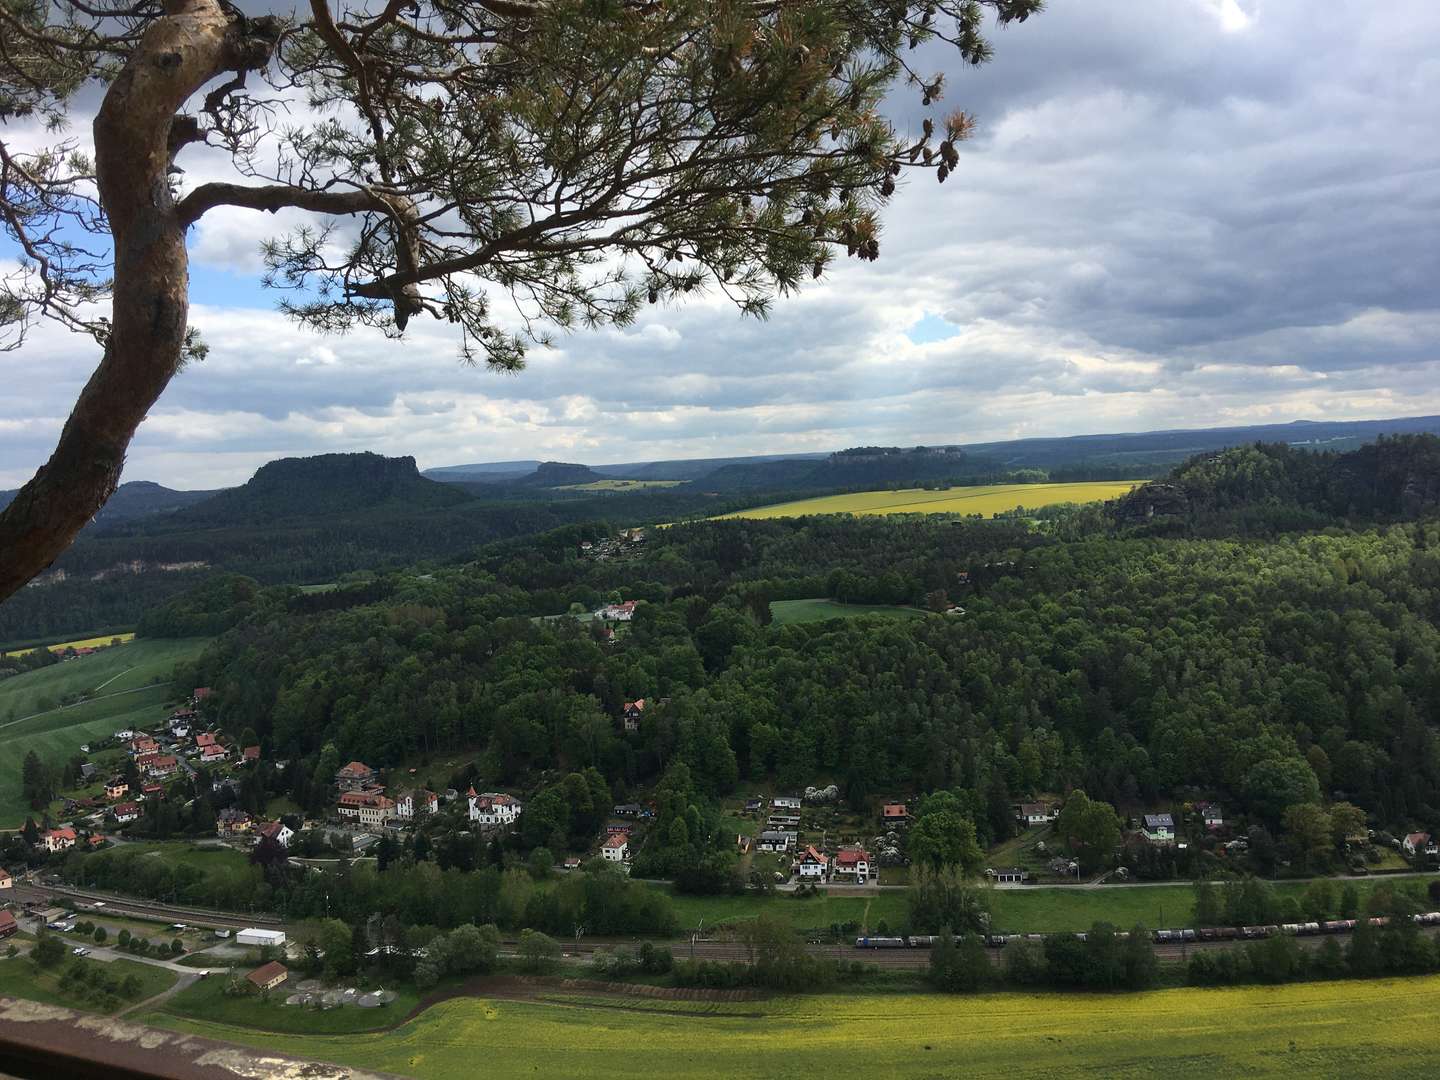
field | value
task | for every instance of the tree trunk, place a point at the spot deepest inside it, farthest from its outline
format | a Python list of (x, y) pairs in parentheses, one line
[(134, 148)]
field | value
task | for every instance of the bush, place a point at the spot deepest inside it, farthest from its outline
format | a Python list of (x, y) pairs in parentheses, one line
[(123, 938), (99, 935), (177, 947), (537, 951)]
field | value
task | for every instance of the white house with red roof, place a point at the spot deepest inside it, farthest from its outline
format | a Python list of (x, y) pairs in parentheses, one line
[(412, 804), (56, 840), (163, 766), (1418, 843), (214, 752), (852, 864), (125, 812), (616, 848), (356, 776), (810, 865), (622, 612), (278, 831), (493, 807), (368, 807), (633, 712)]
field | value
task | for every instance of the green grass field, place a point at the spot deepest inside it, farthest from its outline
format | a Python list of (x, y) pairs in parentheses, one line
[(620, 485), (119, 678), (810, 913), (206, 1000), (986, 500), (1371, 1029), (20, 978), (784, 612)]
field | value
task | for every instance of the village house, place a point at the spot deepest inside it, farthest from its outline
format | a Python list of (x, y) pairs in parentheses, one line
[(785, 802), (201, 693), (630, 717), (116, 788), (895, 815), (368, 807), (622, 612), (754, 806), (1418, 843), (810, 865), (493, 808), (852, 864), (6, 881), (250, 755), (783, 821), (1012, 875), (232, 821), (616, 848), (1158, 828), (213, 753), (56, 840), (629, 809), (126, 812), (1031, 814), (144, 761), (267, 976), (410, 804), (163, 766), (8, 925), (356, 776), (152, 790), (87, 771), (143, 744), (774, 840), (278, 831), (1211, 815)]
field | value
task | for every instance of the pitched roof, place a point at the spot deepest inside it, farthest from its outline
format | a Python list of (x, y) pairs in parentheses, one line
[(1159, 821), (894, 810), (252, 753), (616, 840), (1416, 839), (851, 856), (355, 768), (265, 972), (65, 833), (7, 921), (810, 855)]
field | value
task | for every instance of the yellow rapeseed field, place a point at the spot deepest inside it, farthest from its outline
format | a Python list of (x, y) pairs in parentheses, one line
[(986, 500), (86, 643), (1373, 1029)]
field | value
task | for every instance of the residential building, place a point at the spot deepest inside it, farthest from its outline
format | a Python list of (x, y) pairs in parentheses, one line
[(852, 864), (1416, 843), (1158, 828), (232, 822), (810, 865), (632, 713), (895, 814), (87, 770), (144, 761), (163, 766), (493, 808), (116, 788), (56, 840), (126, 812), (629, 809), (1012, 875), (368, 807), (250, 754), (8, 925), (201, 693), (785, 802), (616, 848), (412, 804), (267, 976), (356, 776), (213, 753), (622, 612), (152, 790), (278, 831), (206, 738), (1211, 815), (143, 744), (6, 881), (1031, 814), (774, 840)]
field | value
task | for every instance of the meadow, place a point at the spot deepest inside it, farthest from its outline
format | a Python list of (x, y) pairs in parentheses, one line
[(620, 485), (784, 612), (1374, 1029), (207, 1000), (20, 978), (986, 500), (124, 693)]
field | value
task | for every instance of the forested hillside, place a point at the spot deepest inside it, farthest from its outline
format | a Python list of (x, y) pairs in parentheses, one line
[(1267, 674)]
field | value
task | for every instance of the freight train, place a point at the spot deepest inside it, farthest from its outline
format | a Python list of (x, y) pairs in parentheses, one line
[(1167, 937)]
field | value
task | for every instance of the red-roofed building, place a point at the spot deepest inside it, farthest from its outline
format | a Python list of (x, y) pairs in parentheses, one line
[(250, 754), (205, 738), (8, 925), (853, 864), (493, 808), (368, 807), (278, 831), (126, 812), (163, 766), (201, 693), (622, 612), (616, 848), (811, 865), (58, 840), (355, 776), (893, 814), (1418, 843), (634, 710), (267, 976), (213, 753)]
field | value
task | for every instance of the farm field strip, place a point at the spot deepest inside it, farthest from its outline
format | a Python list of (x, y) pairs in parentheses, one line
[(86, 643), (1311, 1029), (985, 500)]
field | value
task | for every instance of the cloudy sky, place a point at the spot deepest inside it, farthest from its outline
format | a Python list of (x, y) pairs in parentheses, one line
[(1177, 213)]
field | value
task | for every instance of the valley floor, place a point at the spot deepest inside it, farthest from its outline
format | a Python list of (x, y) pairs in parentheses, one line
[(1340, 1029)]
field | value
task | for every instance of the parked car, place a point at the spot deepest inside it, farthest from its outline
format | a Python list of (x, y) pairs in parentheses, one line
[(80, 951)]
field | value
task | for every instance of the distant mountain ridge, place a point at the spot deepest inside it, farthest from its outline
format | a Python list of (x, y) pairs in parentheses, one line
[(136, 498)]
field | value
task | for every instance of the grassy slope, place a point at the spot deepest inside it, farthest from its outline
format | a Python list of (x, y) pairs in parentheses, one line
[(207, 1000), (986, 500), (1375, 1029), (19, 978), (56, 734), (785, 612)]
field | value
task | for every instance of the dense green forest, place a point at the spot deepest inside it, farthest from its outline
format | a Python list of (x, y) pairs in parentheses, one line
[(1279, 673)]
